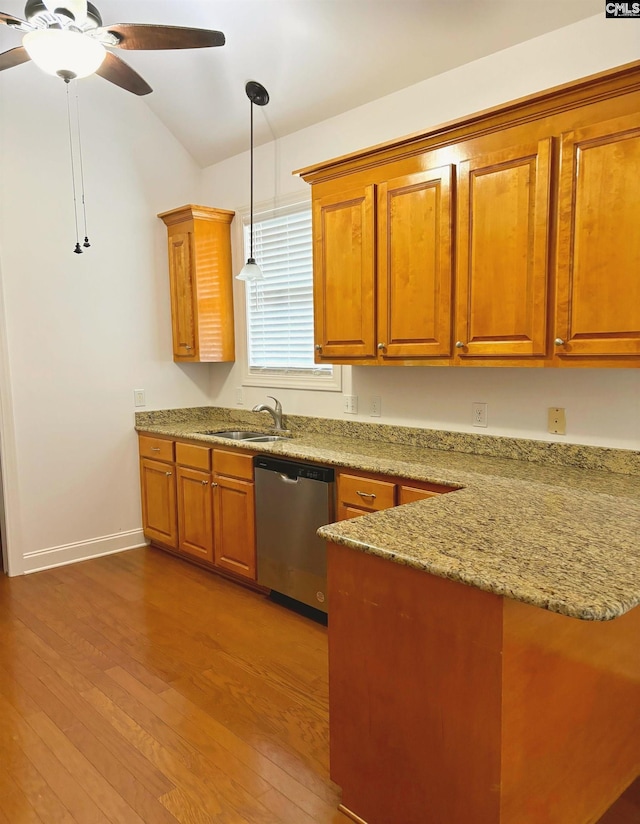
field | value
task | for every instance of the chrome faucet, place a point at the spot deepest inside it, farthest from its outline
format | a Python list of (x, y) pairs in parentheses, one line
[(276, 413)]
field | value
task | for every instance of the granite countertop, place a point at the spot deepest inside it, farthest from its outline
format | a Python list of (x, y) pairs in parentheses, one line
[(559, 537)]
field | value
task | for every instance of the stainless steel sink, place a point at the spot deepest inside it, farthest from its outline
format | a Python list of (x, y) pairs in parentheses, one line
[(240, 435)]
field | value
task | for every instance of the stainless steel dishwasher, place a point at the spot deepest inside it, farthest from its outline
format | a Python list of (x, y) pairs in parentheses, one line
[(292, 501)]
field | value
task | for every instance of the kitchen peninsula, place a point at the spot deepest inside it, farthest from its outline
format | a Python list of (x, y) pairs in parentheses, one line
[(483, 644)]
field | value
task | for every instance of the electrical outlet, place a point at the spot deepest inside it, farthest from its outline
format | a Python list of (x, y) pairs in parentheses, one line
[(375, 406), (351, 404), (479, 414), (139, 397), (557, 421), (239, 396)]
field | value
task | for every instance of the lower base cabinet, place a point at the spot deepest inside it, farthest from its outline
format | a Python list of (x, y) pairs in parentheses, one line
[(200, 502), (360, 494)]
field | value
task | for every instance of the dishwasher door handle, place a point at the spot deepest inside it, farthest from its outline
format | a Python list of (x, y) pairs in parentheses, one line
[(287, 480)]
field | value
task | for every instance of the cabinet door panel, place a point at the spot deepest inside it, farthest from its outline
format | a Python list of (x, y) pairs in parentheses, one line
[(503, 229), (158, 488), (415, 264), (235, 540), (181, 273), (598, 282), (195, 517), (344, 275)]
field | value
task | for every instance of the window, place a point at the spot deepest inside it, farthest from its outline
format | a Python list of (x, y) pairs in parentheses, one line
[(280, 308)]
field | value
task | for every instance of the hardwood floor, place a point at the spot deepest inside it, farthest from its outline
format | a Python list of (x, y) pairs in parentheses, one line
[(139, 689)]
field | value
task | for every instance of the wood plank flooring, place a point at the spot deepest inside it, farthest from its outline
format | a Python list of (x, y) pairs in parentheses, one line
[(138, 689)]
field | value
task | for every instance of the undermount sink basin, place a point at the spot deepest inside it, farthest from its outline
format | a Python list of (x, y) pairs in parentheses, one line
[(240, 435)]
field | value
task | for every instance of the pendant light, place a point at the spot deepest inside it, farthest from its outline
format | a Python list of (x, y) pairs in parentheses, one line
[(257, 94)]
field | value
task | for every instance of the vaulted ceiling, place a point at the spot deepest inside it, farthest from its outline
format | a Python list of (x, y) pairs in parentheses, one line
[(317, 58)]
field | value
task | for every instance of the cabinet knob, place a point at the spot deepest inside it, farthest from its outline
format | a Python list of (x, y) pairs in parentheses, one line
[(185, 345), (382, 346), (318, 348), (460, 344), (168, 474), (205, 483), (559, 342), (213, 483)]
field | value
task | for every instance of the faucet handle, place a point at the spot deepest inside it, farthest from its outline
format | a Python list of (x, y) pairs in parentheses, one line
[(278, 404)]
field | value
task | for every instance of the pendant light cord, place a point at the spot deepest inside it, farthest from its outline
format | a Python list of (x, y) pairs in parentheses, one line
[(251, 207), (78, 249), (86, 243)]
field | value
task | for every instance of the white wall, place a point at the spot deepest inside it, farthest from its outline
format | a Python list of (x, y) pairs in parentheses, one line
[(603, 405), (81, 332)]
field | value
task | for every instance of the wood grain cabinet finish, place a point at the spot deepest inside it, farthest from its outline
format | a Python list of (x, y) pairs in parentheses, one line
[(344, 275), (195, 513), (158, 493), (201, 283), (505, 238), (361, 494), (503, 252), (415, 265), (598, 278)]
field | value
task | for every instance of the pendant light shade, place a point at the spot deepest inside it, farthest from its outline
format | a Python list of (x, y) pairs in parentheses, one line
[(257, 94), (67, 54)]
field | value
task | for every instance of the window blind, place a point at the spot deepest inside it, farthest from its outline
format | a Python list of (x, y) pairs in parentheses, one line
[(280, 307)]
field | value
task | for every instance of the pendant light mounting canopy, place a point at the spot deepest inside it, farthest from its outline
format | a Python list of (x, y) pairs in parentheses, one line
[(257, 93)]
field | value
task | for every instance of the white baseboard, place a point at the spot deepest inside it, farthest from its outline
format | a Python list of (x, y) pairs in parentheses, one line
[(82, 550)]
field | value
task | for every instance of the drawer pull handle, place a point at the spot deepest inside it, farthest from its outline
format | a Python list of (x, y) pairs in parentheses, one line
[(168, 474), (371, 495), (155, 449)]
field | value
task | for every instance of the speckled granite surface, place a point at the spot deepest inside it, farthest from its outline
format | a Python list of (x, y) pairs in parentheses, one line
[(549, 533)]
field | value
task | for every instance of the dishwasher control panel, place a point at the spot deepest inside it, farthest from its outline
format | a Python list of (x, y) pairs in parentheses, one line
[(295, 470)]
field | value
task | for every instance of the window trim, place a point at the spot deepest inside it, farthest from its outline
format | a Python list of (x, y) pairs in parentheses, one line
[(278, 378)]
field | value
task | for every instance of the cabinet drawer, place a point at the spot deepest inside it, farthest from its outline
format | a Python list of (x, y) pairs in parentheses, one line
[(157, 448), (365, 492), (189, 454), (233, 464), (409, 494)]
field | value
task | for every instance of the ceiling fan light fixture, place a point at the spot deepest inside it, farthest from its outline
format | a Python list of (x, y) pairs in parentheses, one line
[(67, 54)]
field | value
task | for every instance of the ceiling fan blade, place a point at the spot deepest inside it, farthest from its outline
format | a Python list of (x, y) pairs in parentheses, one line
[(146, 36), (115, 70), (13, 57), (10, 20)]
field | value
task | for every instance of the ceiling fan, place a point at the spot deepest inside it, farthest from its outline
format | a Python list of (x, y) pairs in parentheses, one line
[(67, 38)]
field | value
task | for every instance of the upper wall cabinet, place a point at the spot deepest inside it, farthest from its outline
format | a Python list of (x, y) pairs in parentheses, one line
[(503, 252), (382, 269), (598, 283), (201, 284), (507, 238)]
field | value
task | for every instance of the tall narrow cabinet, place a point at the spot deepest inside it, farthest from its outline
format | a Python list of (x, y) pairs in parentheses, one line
[(201, 284)]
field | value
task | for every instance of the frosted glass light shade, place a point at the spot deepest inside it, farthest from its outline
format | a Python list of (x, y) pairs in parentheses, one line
[(250, 271), (61, 52)]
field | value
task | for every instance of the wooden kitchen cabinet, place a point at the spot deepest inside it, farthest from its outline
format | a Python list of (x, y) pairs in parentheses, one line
[(158, 491), (195, 513), (537, 198), (201, 283), (363, 493), (383, 267), (598, 275), (503, 253), (234, 507), (344, 275)]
